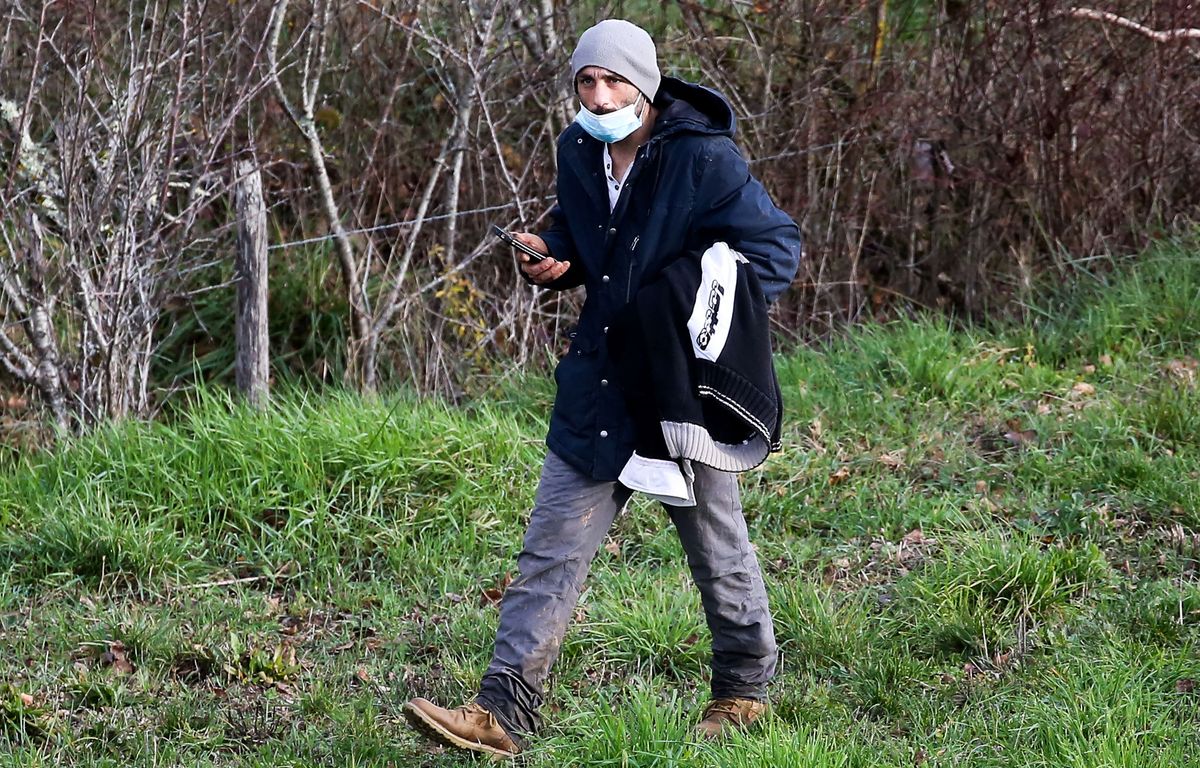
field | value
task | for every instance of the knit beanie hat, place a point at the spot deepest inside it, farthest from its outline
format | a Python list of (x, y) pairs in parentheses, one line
[(620, 47)]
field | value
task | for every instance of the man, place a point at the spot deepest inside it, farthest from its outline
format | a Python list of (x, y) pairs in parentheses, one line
[(648, 174)]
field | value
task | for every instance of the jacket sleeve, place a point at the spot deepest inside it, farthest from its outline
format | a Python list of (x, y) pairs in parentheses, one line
[(562, 248), (732, 205)]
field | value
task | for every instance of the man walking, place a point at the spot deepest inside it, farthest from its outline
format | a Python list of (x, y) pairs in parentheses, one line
[(647, 175)]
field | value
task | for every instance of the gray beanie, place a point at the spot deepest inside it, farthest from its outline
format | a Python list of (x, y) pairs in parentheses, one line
[(620, 47)]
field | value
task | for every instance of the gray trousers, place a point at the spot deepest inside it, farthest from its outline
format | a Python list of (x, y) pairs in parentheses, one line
[(571, 515)]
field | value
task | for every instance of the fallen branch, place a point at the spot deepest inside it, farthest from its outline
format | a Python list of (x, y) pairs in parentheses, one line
[(226, 582)]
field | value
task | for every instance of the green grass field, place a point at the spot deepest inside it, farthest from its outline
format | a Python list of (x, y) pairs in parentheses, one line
[(982, 549)]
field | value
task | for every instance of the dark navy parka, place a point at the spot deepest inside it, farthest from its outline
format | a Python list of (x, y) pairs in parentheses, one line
[(688, 187)]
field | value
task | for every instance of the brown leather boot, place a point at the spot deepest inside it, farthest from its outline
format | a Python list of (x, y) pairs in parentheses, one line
[(470, 726), (723, 716)]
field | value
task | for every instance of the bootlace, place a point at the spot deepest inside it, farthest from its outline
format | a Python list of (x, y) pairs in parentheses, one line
[(722, 707)]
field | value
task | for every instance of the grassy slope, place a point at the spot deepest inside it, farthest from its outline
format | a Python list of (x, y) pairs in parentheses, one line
[(982, 550)]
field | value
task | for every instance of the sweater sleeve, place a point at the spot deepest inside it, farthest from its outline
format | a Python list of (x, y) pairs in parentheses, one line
[(733, 206)]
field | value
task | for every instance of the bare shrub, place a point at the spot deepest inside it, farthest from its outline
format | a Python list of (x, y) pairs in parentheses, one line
[(944, 155), (938, 155), (115, 160)]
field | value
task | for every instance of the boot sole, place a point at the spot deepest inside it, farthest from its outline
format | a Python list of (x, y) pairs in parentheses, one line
[(432, 729)]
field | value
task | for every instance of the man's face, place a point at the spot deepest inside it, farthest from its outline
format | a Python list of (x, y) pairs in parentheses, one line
[(603, 91)]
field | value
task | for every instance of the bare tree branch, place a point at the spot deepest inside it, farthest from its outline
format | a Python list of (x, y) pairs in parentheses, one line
[(355, 292), (1159, 36)]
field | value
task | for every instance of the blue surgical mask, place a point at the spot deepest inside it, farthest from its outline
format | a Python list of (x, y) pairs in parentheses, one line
[(613, 126)]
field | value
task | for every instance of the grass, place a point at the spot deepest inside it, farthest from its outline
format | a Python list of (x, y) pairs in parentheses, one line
[(982, 549)]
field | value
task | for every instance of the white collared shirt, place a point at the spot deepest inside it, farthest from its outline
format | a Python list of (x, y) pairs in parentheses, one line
[(613, 184)]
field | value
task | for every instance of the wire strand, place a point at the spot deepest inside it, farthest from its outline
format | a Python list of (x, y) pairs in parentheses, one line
[(502, 206), (409, 223)]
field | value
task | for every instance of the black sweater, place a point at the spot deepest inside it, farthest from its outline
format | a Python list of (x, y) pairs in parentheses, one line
[(693, 358)]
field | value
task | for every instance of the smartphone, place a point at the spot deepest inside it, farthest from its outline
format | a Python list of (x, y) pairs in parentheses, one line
[(534, 256)]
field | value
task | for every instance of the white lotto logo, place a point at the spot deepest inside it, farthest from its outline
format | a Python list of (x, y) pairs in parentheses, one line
[(712, 311)]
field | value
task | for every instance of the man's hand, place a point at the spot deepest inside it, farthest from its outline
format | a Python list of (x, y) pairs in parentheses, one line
[(545, 271)]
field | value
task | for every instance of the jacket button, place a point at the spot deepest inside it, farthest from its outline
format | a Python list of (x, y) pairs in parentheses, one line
[(604, 279), (604, 382), (604, 433), (606, 329), (612, 231), (579, 141)]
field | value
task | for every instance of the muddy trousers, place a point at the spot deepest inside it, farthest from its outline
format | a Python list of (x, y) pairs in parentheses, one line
[(571, 515)]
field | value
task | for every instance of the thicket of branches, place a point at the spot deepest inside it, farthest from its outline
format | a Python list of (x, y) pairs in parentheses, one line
[(937, 154)]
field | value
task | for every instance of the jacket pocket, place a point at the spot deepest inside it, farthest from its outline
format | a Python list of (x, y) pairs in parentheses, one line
[(577, 377)]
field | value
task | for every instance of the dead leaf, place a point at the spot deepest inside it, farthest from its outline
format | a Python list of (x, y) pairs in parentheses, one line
[(915, 536), (892, 460), (919, 757), (815, 432), (1021, 437), (1106, 360), (363, 675), (290, 625), (116, 658), (1185, 685), (836, 570), (613, 548), (1083, 389), (1184, 370), (26, 699), (274, 517), (840, 475), (493, 595), (1089, 369)]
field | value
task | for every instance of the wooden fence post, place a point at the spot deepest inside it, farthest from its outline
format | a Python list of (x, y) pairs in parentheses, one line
[(250, 271)]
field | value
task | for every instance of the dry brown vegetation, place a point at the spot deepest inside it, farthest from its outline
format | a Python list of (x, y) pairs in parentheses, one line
[(945, 155)]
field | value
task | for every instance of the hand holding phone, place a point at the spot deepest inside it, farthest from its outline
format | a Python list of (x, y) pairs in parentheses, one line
[(534, 255)]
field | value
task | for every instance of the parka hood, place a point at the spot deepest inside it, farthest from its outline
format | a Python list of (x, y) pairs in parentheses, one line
[(687, 107)]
